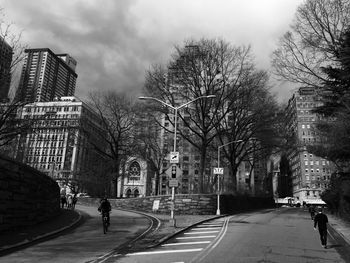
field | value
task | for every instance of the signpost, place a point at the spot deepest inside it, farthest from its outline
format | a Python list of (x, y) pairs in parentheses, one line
[(155, 206), (173, 183), (174, 157), (218, 170)]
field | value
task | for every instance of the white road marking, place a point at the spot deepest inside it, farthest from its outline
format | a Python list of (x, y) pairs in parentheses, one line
[(165, 252), (216, 222), (210, 226), (204, 228), (186, 243), (216, 241), (197, 232), (195, 237)]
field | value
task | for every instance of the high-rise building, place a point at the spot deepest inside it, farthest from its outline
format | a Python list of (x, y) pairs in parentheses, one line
[(310, 173), (5, 69), (61, 141), (46, 76)]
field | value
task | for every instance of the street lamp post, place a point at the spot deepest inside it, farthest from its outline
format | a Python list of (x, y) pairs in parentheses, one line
[(175, 128), (218, 198)]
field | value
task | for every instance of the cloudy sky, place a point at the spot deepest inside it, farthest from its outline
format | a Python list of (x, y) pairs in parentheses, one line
[(116, 41)]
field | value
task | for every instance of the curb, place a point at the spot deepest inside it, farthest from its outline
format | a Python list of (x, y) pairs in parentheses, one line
[(334, 229), (166, 238), (44, 236), (150, 217)]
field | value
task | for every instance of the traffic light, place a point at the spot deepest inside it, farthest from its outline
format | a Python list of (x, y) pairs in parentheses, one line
[(173, 171)]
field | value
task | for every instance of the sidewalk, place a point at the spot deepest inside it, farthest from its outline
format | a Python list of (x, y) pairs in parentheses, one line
[(25, 235), (340, 226)]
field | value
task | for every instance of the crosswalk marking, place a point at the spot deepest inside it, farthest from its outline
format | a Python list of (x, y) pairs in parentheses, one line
[(204, 228), (210, 226), (165, 252), (203, 232), (186, 243), (195, 237)]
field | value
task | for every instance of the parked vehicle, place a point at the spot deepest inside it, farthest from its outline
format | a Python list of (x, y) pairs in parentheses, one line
[(287, 201), (83, 195)]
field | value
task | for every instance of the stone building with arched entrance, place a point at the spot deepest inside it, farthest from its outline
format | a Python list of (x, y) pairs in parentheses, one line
[(136, 180)]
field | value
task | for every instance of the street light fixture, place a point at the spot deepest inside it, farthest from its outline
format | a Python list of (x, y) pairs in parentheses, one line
[(218, 198), (175, 128)]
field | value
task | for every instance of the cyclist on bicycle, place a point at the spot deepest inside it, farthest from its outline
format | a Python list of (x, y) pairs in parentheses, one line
[(105, 207)]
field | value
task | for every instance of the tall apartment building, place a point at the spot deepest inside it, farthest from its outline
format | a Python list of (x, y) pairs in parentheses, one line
[(310, 173), (46, 76), (61, 141), (5, 69)]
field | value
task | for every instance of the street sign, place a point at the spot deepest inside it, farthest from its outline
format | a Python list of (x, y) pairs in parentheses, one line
[(173, 183), (174, 157), (218, 170), (155, 206)]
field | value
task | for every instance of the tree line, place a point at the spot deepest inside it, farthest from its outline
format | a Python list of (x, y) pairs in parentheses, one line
[(313, 52)]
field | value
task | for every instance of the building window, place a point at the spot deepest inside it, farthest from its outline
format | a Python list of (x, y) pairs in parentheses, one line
[(134, 171)]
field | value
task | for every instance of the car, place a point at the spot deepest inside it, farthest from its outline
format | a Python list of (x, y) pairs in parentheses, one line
[(83, 195)]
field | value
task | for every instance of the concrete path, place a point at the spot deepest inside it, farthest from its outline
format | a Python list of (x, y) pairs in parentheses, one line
[(83, 241)]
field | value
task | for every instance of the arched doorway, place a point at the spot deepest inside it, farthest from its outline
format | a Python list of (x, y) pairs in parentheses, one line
[(136, 192), (128, 193)]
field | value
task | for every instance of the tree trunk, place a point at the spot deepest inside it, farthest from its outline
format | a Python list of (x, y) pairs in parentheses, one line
[(156, 188), (233, 175), (201, 189)]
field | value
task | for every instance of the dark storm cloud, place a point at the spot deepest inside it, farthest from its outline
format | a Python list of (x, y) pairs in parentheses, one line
[(116, 41)]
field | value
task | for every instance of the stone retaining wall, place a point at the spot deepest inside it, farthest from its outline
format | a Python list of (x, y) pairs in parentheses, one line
[(27, 196), (187, 204)]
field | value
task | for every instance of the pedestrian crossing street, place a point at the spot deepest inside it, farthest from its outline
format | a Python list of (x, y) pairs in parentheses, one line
[(185, 246)]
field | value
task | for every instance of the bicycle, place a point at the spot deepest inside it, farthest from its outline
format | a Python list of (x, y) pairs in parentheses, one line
[(105, 222)]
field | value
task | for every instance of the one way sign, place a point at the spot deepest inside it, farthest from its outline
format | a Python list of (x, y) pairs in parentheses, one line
[(174, 157)]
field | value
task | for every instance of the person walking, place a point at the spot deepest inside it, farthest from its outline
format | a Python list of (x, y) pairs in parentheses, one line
[(63, 200), (312, 211), (75, 199), (321, 221)]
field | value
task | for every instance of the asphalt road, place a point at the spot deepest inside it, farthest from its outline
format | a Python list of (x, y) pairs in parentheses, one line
[(86, 243), (284, 235)]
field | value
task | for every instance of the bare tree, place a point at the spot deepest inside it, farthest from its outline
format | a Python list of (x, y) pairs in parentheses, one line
[(202, 68), (117, 113), (148, 144), (312, 41), (9, 37), (250, 122), (10, 124)]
